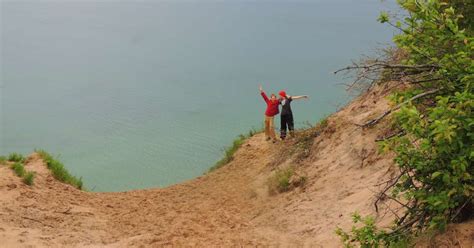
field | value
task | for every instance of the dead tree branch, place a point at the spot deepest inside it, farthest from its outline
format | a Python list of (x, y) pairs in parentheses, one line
[(376, 120), (390, 184), (384, 65), (398, 134)]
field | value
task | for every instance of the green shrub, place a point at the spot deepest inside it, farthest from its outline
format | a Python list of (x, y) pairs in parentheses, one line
[(59, 171), (15, 157), (435, 151), (28, 178), (434, 116), (18, 168), (280, 181), (367, 235), (3, 159)]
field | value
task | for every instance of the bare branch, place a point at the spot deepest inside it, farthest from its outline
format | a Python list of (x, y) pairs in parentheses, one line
[(398, 134), (384, 65), (376, 120), (390, 183)]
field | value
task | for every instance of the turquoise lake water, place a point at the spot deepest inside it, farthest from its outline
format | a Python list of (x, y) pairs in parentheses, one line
[(141, 94)]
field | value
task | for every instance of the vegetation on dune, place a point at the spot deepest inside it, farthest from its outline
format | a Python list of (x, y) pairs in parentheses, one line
[(280, 181), (296, 148), (20, 171), (3, 159), (303, 141), (434, 142), (230, 151), (15, 157), (285, 179), (59, 171), (28, 178)]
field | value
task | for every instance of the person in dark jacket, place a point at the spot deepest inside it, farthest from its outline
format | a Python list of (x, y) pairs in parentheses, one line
[(272, 110), (286, 116)]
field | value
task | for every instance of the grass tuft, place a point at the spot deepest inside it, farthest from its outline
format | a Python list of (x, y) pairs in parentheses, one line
[(59, 171), (230, 151), (280, 181), (16, 157), (3, 159), (19, 169), (323, 123), (28, 178)]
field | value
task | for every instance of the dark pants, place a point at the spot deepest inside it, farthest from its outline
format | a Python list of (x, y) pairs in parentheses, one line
[(286, 122)]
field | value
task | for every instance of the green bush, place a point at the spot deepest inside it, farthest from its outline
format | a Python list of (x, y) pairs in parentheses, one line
[(28, 178), (367, 235), (15, 157), (435, 149), (59, 171), (18, 168), (434, 154)]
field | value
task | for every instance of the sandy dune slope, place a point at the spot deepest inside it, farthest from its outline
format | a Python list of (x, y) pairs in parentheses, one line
[(227, 208)]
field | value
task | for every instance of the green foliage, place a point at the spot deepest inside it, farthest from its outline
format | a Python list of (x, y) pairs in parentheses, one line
[(435, 153), (438, 146), (18, 168), (280, 181), (367, 234), (230, 151), (15, 157), (28, 178), (383, 18), (59, 171), (465, 8)]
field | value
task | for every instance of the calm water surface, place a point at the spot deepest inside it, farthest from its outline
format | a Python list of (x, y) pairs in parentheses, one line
[(145, 94)]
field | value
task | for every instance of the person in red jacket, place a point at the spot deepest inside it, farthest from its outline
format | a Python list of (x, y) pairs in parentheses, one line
[(270, 112)]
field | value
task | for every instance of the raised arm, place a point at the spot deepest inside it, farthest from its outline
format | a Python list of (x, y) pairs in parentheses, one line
[(299, 97), (263, 94)]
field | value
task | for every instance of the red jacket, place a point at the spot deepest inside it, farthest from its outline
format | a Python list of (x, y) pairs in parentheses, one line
[(272, 106)]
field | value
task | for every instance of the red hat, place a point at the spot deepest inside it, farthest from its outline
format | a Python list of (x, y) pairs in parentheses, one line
[(282, 93)]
